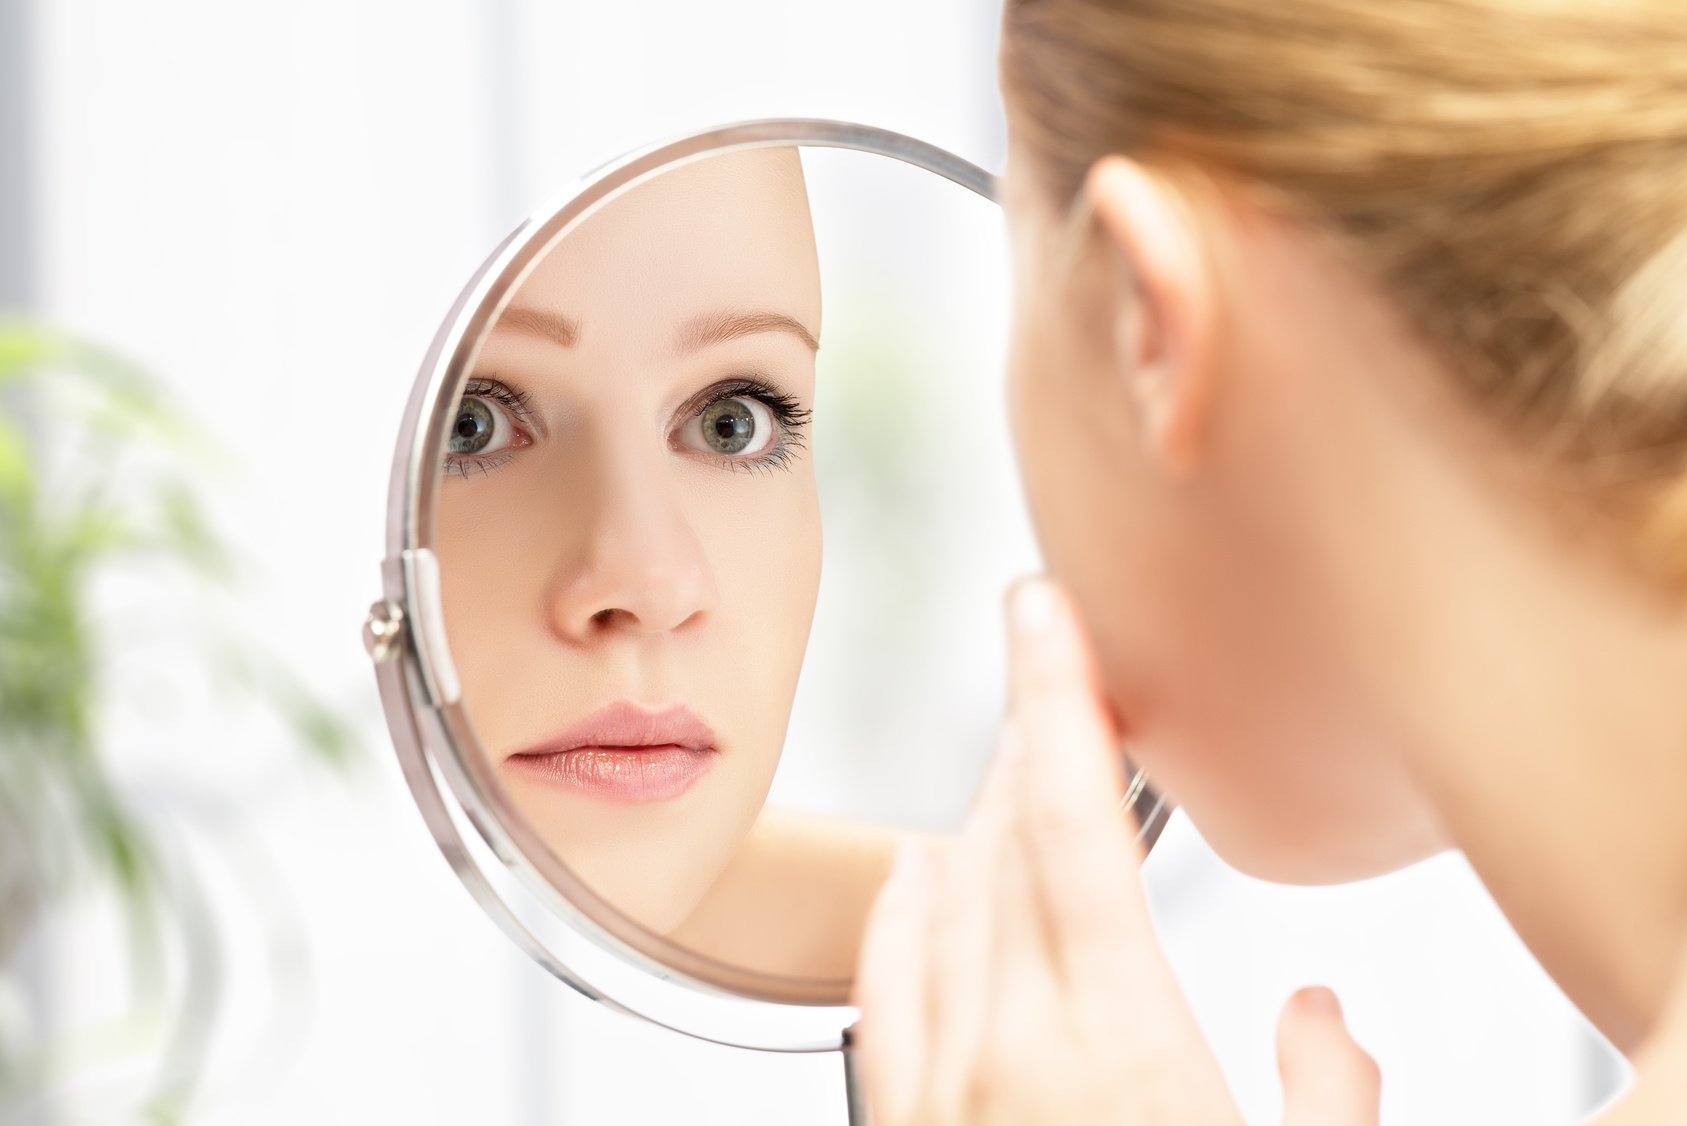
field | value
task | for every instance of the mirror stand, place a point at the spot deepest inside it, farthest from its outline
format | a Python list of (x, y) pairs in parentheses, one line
[(855, 1097)]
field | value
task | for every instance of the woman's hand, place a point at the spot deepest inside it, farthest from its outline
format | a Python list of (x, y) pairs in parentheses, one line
[(1014, 977)]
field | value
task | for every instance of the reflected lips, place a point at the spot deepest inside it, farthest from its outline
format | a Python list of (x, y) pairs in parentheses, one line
[(624, 753)]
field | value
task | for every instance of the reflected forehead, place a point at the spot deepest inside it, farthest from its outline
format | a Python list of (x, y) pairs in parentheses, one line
[(702, 254)]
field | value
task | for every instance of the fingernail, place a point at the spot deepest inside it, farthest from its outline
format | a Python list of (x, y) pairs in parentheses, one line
[(1031, 606), (1320, 1000)]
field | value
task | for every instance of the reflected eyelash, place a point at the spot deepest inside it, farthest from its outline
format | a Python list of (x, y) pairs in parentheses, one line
[(519, 405), (518, 401), (793, 419), (463, 466)]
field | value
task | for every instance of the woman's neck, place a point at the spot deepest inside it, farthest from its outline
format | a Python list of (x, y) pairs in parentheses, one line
[(1559, 766), (1537, 687)]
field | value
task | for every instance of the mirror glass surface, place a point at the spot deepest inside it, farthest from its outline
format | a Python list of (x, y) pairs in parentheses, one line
[(723, 527)]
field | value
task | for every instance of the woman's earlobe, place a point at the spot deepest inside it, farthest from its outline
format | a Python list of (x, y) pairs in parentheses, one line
[(1164, 319)]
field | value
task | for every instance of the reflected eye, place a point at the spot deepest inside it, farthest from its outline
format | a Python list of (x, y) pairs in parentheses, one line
[(735, 427), (742, 424), (474, 429), (485, 430)]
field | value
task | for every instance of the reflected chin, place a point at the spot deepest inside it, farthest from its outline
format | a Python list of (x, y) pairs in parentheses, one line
[(649, 830)]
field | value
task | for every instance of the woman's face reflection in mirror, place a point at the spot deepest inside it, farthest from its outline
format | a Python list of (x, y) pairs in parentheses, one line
[(629, 532)]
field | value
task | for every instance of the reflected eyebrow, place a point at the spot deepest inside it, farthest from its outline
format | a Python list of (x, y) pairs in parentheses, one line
[(554, 327), (713, 328)]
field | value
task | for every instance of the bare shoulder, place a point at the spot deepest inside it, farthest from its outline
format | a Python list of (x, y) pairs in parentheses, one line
[(795, 898)]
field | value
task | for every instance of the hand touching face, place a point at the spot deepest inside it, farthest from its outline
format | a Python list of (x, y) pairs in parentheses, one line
[(1015, 977)]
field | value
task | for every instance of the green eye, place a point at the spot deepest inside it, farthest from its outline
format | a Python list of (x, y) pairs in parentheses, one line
[(741, 424), (474, 428), (735, 427), (487, 430), (729, 426)]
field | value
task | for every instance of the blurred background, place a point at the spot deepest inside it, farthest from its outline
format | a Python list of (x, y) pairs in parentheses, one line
[(227, 234)]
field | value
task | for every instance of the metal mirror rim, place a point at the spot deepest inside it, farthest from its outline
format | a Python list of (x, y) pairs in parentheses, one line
[(418, 684)]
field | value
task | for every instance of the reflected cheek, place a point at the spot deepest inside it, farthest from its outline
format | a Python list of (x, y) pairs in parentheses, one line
[(489, 578), (765, 561)]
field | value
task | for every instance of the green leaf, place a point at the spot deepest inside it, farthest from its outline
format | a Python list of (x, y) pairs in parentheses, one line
[(124, 483), (186, 530), (323, 730), (25, 348), (17, 469)]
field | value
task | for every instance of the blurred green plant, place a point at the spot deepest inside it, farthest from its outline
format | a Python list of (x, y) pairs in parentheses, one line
[(99, 472)]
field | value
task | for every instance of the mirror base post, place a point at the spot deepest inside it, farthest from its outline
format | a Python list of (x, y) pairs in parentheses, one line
[(855, 1096)]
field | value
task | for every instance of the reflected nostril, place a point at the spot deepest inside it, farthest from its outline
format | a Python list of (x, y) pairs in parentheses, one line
[(617, 594)]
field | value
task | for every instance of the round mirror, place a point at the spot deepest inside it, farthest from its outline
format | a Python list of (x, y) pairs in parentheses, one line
[(700, 521)]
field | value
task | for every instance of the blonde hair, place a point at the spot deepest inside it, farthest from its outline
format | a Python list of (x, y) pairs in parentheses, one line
[(1513, 171)]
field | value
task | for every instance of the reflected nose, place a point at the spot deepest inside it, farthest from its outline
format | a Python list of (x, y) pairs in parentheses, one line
[(637, 568)]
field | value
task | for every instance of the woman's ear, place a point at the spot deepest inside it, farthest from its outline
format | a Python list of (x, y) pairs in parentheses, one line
[(1164, 322)]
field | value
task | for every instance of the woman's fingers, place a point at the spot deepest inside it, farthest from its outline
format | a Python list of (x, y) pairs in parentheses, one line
[(1118, 994), (1076, 837), (1026, 994), (964, 935), (1015, 978), (1328, 1079), (894, 1036)]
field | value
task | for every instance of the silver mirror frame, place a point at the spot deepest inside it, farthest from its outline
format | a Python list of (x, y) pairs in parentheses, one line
[(612, 964), (504, 865)]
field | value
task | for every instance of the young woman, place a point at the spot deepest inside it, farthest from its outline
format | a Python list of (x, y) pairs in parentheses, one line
[(1350, 390)]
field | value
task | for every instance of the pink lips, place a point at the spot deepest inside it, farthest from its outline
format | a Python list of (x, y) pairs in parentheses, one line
[(624, 753)]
